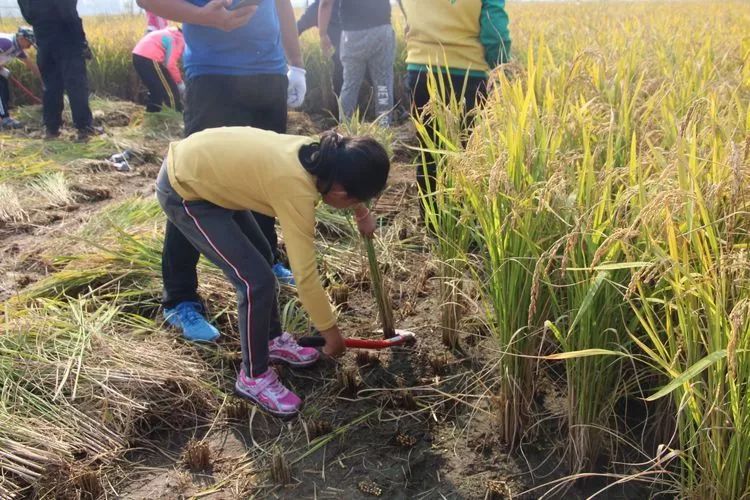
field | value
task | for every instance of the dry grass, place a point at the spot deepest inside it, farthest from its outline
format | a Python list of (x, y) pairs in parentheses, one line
[(11, 208)]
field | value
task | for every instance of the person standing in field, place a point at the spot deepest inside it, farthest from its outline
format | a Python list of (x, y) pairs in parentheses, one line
[(156, 59), (62, 51), (459, 41), (154, 22), (207, 186), (309, 19), (13, 46), (368, 44), (243, 67)]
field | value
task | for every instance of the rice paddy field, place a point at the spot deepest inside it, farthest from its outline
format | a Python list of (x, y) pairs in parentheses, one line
[(582, 307)]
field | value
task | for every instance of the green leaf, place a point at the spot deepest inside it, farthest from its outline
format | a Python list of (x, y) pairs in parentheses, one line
[(691, 372), (589, 298)]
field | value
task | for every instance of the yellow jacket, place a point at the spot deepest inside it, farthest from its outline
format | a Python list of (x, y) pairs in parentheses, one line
[(243, 168), (468, 35)]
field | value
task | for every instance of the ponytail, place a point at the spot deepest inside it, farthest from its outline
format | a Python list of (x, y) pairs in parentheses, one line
[(359, 164)]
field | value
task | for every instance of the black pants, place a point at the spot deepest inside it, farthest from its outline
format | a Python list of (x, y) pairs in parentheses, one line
[(473, 88), (63, 70), (162, 90), (221, 101), (4, 98)]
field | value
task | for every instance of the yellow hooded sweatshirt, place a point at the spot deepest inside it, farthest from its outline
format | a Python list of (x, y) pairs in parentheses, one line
[(460, 35)]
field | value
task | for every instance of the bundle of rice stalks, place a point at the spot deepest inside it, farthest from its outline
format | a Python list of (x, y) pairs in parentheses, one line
[(83, 380)]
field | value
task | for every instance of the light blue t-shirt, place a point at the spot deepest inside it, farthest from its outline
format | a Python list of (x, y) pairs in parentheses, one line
[(253, 49)]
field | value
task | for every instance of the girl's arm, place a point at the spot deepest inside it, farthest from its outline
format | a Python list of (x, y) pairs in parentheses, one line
[(296, 213), (172, 53), (493, 32), (289, 35), (335, 345), (365, 220), (214, 14)]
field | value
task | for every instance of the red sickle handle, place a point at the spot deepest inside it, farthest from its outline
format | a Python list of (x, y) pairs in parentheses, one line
[(317, 341), (26, 91), (374, 343)]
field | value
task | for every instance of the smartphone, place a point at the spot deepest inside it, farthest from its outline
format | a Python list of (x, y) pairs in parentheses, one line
[(243, 3)]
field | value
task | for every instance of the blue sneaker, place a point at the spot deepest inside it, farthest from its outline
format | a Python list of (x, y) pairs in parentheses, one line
[(283, 274), (187, 316)]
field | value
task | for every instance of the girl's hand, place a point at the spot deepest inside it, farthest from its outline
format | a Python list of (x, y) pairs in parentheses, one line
[(335, 346), (365, 221)]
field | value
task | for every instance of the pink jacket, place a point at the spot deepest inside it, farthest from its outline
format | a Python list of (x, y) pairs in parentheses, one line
[(154, 22), (165, 47)]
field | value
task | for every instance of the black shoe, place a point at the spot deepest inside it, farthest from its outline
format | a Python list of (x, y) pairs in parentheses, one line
[(85, 133), (50, 135)]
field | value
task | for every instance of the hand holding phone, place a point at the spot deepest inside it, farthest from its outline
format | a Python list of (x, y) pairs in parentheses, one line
[(226, 16), (238, 4)]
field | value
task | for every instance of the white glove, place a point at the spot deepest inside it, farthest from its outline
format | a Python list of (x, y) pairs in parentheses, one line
[(181, 89), (297, 87), (4, 72)]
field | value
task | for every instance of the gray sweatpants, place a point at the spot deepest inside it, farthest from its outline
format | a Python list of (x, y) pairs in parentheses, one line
[(370, 50), (232, 240)]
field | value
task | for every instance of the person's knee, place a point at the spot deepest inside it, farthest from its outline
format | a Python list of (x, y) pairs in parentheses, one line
[(262, 287)]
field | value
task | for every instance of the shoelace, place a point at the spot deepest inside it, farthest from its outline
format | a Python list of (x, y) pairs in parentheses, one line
[(287, 340), (190, 315), (274, 386)]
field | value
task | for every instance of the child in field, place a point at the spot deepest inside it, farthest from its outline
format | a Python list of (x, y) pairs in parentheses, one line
[(156, 59), (12, 46), (208, 186)]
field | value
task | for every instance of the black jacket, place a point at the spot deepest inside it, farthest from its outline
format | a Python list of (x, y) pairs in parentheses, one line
[(56, 22), (310, 20)]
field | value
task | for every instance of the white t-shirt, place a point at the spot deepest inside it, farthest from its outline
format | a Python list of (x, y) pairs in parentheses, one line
[(9, 49)]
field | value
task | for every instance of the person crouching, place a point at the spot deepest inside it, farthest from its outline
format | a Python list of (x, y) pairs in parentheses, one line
[(156, 60), (208, 186)]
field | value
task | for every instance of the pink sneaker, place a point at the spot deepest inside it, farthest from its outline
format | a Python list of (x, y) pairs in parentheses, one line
[(286, 349), (269, 393)]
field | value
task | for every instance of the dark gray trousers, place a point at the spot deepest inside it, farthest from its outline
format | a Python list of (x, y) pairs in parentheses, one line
[(232, 240)]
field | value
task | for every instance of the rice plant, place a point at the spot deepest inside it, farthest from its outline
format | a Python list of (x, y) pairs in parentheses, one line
[(696, 320), (606, 179), (11, 208), (602, 196), (54, 189)]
